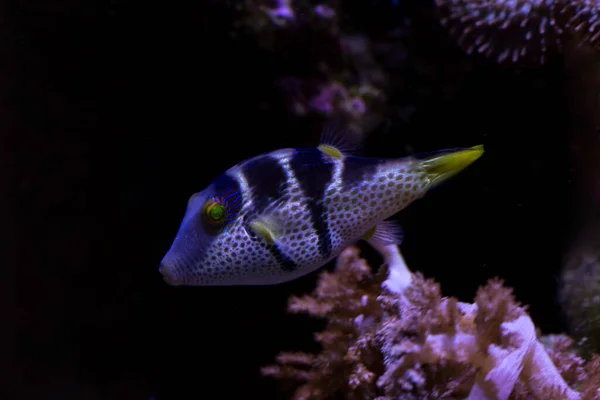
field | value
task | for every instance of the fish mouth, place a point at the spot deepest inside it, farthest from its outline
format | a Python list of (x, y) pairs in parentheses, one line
[(170, 276)]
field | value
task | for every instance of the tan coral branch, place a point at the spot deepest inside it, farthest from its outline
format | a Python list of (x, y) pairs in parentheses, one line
[(412, 343)]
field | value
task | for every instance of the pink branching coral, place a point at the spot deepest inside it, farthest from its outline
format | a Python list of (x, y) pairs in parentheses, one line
[(350, 360), (417, 344), (347, 83), (334, 98), (357, 106)]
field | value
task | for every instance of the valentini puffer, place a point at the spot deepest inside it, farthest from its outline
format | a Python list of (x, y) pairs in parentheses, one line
[(284, 214)]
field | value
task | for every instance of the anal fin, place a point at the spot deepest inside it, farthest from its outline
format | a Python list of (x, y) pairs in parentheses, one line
[(385, 238), (385, 233)]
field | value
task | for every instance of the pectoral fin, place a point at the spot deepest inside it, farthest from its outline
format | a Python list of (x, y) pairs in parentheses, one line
[(265, 227), (269, 229)]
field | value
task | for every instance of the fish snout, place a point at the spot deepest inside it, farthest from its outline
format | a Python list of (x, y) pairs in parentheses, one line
[(170, 274)]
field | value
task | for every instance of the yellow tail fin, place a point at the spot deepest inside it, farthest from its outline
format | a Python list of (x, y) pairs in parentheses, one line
[(441, 167)]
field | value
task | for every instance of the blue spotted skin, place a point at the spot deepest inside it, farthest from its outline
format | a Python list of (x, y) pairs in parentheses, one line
[(321, 205)]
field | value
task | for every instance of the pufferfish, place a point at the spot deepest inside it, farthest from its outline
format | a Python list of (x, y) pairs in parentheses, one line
[(281, 215)]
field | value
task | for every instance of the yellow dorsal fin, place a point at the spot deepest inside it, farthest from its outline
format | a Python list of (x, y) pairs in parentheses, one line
[(330, 150), (338, 141)]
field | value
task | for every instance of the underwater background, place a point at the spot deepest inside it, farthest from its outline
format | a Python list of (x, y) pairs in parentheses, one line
[(115, 112)]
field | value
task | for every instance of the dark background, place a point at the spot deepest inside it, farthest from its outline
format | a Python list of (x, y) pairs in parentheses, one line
[(114, 113)]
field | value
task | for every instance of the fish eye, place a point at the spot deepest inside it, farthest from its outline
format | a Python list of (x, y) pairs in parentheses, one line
[(221, 211), (215, 212)]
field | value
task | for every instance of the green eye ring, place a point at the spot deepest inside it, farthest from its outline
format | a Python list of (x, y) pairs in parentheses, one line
[(220, 211), (215, 212)]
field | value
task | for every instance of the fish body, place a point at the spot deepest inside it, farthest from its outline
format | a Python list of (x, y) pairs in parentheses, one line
[(284, 214)]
